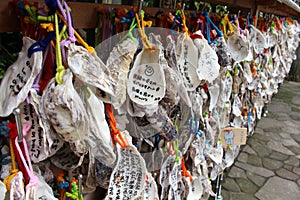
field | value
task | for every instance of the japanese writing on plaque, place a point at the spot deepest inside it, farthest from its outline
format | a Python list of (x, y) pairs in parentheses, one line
[(35, 137), (128, 178), (146, 84), (209, 68), (17, 83), (183, 66), (187, 64)]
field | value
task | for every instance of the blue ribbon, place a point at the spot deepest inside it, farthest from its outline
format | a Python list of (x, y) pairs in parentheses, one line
[(156, 141), (41, 45), (125, 20), (52, 5), (63, 184), (21, 8), (209, 23)]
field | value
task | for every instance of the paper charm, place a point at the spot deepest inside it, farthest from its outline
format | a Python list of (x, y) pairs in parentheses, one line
[(89, 68), (44, 191), (165, 171), (272, 39), (195, 191), (187, 61), (170, 55), (2, 190), (236, 106), (247, 72), (17, 187), (154, 159), (99, 140), (146, 81), (177, 194), (171, 76), (66, 159), (175, 180), (141, 127), (214, 92), (19, 78), (160, 121), (42, 141), (118, 63), (230, 155), (214, 153), (151, 191), (223, 52), (208, 66), (102, 174), (66, 112), (257, 40), (258, 105), (128, 178), (53, 141), (238, 47), (226, 88)]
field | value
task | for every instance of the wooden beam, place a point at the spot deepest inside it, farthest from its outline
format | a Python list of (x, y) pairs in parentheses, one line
[(85, 14), (233, 3), (8, 19), (280, 9)]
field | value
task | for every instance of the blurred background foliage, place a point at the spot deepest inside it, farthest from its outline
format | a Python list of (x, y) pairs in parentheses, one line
[(10, 46)]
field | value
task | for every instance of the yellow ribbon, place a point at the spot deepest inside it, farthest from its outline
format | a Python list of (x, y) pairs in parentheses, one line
[(185, 28), (48, 26), (78, 37), (225, 22), (13, 170), (60, 69), (141, 25)]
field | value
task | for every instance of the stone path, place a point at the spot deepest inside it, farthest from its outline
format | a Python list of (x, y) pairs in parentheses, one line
[(268, 167)]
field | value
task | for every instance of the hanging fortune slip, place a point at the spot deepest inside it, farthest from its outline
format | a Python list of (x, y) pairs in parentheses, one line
[(89, 68), (118, 63), (257, 40), (128, 178), (146, 82), (238, 47), (19, 78), (208, 66), (187, 61), (65, 111)]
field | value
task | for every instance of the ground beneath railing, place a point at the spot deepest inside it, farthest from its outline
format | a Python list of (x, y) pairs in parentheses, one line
[(268, 167)]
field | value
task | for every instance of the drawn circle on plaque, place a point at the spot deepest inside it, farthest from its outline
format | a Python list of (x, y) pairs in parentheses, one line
[(149, 71), (146, 84)]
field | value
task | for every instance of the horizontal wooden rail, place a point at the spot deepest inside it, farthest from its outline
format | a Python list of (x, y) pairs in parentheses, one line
[(85, 14)]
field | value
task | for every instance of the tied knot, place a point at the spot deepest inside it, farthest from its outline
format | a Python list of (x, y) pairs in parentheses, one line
[(13, 171), (33, 182), (60, 70), (8, 179), (90, 49)]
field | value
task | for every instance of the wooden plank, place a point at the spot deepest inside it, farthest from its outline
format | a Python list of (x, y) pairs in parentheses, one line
[(233, 3), (85, 14), (8, 19), (280, 9)]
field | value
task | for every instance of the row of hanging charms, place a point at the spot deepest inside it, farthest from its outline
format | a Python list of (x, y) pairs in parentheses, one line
[(175, 100)]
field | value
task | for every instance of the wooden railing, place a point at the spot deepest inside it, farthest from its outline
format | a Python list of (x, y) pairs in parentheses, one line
[(85, 14)]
